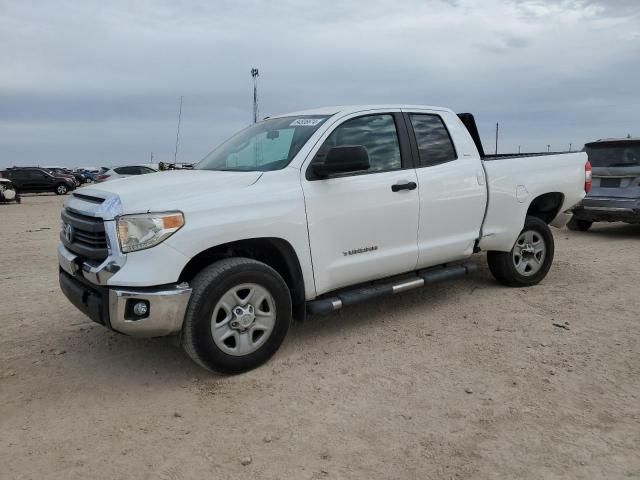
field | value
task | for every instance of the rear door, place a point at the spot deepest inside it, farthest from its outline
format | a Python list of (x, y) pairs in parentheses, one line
[(451, 180), (361, 227), (40, 181)]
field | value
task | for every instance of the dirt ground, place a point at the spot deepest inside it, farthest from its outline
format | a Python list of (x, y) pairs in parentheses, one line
[(464, 380)]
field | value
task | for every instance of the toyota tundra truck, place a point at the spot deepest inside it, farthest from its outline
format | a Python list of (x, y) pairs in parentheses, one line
[(308, 213)]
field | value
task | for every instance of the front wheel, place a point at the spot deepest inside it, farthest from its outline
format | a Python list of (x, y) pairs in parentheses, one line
[(61, 189), (579, 225), (238, 315), (529, 260)]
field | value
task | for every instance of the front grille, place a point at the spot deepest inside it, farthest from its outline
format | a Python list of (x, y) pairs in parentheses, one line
[(84, 235)]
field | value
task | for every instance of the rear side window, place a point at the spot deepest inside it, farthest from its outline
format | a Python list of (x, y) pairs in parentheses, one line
[(377, 133), (434, 143)]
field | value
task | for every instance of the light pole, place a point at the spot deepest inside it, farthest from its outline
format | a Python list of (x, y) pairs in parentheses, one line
[(255, 74)]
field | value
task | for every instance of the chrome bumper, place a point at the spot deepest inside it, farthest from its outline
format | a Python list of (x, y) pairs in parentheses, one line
[(167, 307), (83, 285)]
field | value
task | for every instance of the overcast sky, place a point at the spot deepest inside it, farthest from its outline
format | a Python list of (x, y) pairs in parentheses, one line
[(98, 82)]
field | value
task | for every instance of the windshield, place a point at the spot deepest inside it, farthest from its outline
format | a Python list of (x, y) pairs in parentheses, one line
[(264, 146), (620, 155)]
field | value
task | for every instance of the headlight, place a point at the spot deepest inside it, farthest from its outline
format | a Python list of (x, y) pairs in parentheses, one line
[(138, 232)]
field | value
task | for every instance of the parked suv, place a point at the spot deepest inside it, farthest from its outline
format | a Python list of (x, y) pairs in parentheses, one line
[(38, 180), (615, 193)]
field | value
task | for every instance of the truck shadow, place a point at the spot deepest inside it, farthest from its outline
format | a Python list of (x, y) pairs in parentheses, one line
[(613, 230), (127, 361), (392, 311)]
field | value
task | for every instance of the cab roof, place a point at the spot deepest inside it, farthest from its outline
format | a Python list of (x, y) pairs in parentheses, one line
[(347, 109)]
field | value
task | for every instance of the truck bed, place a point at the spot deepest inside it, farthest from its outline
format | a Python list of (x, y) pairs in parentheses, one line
[(513, 185)]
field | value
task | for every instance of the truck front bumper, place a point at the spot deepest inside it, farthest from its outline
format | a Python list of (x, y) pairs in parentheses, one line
[(114, 307)]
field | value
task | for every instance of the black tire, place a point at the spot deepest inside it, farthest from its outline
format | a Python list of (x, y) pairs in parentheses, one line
[(61, 189), (579, 225), (209, 286), (503, 264)]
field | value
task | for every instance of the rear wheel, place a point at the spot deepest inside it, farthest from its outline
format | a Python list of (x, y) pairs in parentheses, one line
[(61, 189), (579, 225), (529, 260), (238, 315)]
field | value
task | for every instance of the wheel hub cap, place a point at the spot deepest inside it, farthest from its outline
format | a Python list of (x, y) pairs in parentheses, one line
[(529, 253), (243, 319)]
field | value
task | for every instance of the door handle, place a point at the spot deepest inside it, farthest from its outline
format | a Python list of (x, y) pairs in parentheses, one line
[(404, 186)]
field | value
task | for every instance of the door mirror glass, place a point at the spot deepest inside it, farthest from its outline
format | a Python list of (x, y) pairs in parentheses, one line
[(343, 159)]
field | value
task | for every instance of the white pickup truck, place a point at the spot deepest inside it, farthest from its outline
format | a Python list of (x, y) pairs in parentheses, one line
[(308, 212)]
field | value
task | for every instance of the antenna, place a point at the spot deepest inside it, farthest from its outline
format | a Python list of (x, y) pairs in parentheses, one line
[(497, 130), (175, 155), (255, 74)]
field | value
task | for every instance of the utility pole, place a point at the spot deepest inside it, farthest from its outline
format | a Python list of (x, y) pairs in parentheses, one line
[(570, 146), (175, 154), (497, 130), (548, 148), (151, 161), (518, 149), (255, 74)]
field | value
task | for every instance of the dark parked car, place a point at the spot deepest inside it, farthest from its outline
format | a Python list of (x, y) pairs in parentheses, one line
[(615, 191), (86, 174), (64, 172), (38, 180)]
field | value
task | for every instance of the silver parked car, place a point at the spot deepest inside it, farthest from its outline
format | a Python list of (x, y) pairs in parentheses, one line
[(615, 195), (122, 172)]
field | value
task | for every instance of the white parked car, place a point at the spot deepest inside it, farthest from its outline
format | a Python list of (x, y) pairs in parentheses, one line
[(308, 213), (122, 172)]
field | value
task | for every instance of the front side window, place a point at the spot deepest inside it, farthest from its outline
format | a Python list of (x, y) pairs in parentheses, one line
[(434, 143), (377, 133), (264, 146)]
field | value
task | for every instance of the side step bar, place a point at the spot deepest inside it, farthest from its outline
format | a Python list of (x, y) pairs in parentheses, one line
[(369, 292)]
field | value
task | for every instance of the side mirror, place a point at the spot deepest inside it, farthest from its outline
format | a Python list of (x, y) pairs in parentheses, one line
[(344, 159)]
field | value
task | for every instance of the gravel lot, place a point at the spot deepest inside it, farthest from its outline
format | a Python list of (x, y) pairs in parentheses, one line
[(466, 379)]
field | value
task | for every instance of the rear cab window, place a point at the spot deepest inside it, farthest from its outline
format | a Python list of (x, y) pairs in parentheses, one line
[(433, 139)]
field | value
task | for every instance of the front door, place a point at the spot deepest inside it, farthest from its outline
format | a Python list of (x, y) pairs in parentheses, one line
[(361, 227)]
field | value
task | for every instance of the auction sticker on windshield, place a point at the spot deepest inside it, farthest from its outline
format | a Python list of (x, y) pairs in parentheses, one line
[(306, 122)]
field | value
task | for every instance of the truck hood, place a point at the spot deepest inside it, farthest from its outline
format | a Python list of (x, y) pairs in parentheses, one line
[(162, 190)]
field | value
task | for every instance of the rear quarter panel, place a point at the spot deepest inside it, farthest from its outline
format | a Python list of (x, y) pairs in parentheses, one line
[(514, 183)]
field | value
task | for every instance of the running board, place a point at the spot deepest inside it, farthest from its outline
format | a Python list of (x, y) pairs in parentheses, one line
[(369, 292)]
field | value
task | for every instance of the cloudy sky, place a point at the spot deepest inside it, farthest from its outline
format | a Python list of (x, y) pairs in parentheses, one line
[(98, 82)]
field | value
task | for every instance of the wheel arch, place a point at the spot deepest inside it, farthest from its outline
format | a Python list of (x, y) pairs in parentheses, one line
[(546, 206), (278, 253)]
